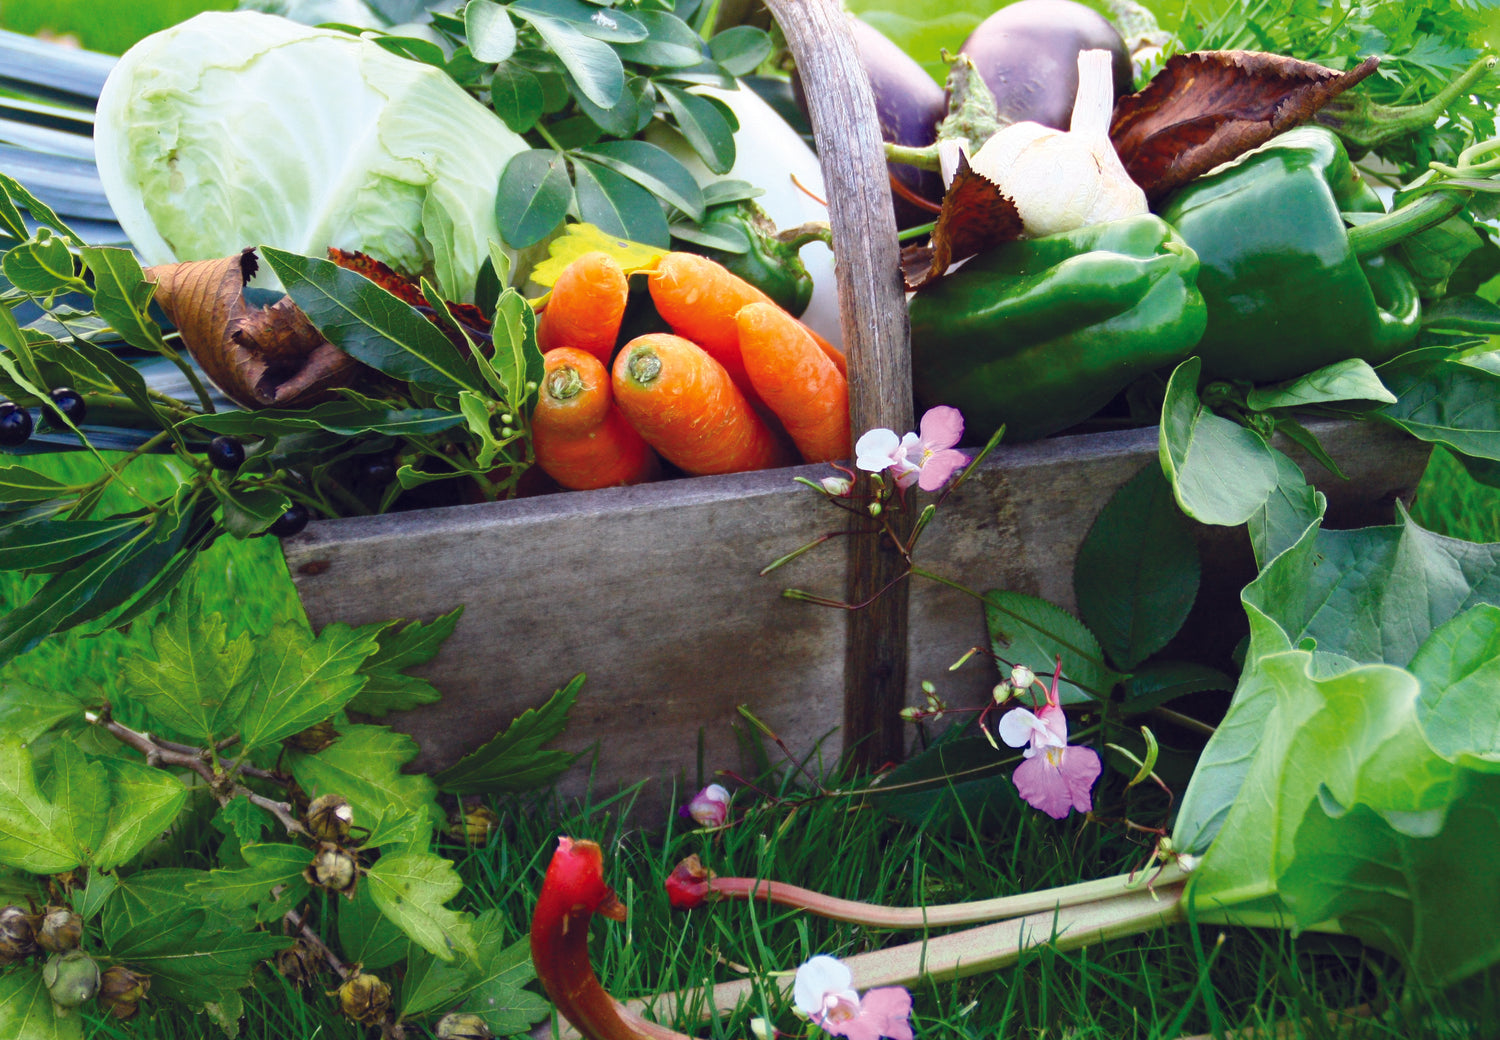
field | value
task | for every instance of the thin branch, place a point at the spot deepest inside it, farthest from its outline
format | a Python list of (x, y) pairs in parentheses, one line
[(304, 931)]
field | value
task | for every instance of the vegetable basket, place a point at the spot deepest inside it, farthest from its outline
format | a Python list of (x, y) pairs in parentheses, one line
[(654, 592)]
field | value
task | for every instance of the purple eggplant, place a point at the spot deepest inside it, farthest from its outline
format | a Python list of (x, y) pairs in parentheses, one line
[(1027, 54)]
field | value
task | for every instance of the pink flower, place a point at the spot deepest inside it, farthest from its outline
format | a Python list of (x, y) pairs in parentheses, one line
[(927, 460), (824, 992), (1055, 777), (709, 807)]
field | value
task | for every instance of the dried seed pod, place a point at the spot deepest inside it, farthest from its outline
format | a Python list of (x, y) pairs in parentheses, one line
[(60, 931), (71, 978), (17, 934), (364, 998), (473, 825), (298, 964), (334, 869), (329, 817), (122, 989), (313, 739), (459, 1025)]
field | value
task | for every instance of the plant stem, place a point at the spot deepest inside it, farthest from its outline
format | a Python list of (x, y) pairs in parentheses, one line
[(304, 930), (1411, 219)]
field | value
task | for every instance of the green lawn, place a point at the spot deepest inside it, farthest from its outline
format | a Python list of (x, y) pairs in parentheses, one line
[(110, 26)]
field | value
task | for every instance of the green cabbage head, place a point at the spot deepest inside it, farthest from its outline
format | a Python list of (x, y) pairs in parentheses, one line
[(236, 129)]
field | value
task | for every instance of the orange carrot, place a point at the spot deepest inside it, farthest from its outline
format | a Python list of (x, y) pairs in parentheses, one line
[(796, 380), (580, 437), (586, 307), (699, 298), (686, 406)]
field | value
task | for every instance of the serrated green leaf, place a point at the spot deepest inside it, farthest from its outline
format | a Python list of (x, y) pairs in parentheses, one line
[(144, 803), (250, 888), (476, 412), (195, 954), (534, 196), (303, 680), (514, 760), (197, 682), (147, 896), (32, 836), (516, 97), (27, 1012), (401, 645), (96, 892), (1030, 631), (243, 820), (1220, 471), (367, 936), (79, 790), (410, 888), (122, 295), (371, 325), (704, 126), (26, 711), (489, 985), (490, 33), (364, 766), (618, 206)]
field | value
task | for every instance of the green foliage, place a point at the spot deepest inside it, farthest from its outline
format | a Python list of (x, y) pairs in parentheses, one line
[(514, 760), (1032, 632), (1220, 471)]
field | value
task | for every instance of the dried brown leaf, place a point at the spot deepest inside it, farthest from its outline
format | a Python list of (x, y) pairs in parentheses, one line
[(1209, 107), (976, 216), (260, 357)]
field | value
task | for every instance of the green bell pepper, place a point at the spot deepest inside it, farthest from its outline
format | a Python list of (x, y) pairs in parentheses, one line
[(771, 263), (1040, 334), (1286, 290)]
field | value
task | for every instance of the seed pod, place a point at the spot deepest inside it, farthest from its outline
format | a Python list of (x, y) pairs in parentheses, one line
[(298, 964), (61, 930), (334, 869), (314, 738), (71, 978), (473, 825), (17, 935), (459, 1025), (122, 990), (329, 817), (364, 998)]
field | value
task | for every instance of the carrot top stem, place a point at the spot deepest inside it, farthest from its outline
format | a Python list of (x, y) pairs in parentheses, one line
[(644, 366), (564, 383)]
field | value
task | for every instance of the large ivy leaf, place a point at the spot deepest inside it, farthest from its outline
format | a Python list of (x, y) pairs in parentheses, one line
[(364, 765), (1030, 631), (401, 645), (514, 760), (303, 680), (144, 802), (1137, 571), (368, 323), (33, 835), (1220, 471), (197, 682), (410, 888), (27, 1012), (268, 866)]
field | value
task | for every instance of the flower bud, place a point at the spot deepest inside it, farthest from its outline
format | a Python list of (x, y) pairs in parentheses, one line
[(1022, 677), (875, 508), (688, 884), (473, 825), (313, 739), (334, 869), (297, 963), (61, 930), (1002, 691), (122, 990), (709, 807), (329, 817), (17, 937), (838, 487), (364, 998), (71, 978), (458, 1025)]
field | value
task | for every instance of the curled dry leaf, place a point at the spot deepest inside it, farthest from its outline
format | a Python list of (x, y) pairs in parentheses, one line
[(1209, 107), (409, 292), (976, 216), (260, 357)]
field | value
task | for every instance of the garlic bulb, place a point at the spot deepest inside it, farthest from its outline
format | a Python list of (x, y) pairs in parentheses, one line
[(1059, 179)]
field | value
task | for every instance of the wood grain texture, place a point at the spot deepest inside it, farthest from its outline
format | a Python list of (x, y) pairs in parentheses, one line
[(872, 304), (653, 592)]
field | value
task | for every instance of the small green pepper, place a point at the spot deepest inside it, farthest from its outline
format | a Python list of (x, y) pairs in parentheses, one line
[(1040, 334), (771, 264), (1287, 291)]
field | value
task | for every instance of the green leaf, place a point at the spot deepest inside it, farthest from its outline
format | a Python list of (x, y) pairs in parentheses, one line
[(517, 360), (593, 64), (1286, 513), (703, 125), (1220, 471), (491, 984), (26, 711), (1137, 571), (194, 953), (1466, 313), (27, 1012), (1161, 682), (489, 31), (958, 781), (127, 379), (534, 196), (613, 25), (401, 645), (1349, 380), (198, 681), (367, 936), (1434, 254), (43, 543), (652, 168), (514, 760), (40, 211), (32, 834), (1450, 403), (1459, 666), (41, 265), (371, 325), (122, 295), (243, 820), (364, 765), (346, 418), (96, 892), (476, 412), (617, 120), (248, 511), (144, 804), (726, 238), (740, 49), (671, 43), (19, 484), (618, 206), (80, 792), (303, 680), (516, 97), (269, 866), (1030, 631), (410, 888)]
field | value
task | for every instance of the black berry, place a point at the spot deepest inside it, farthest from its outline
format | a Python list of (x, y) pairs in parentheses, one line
[(291, 522), (15, 424), (226, 453), (378, 471), (68, 402)]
